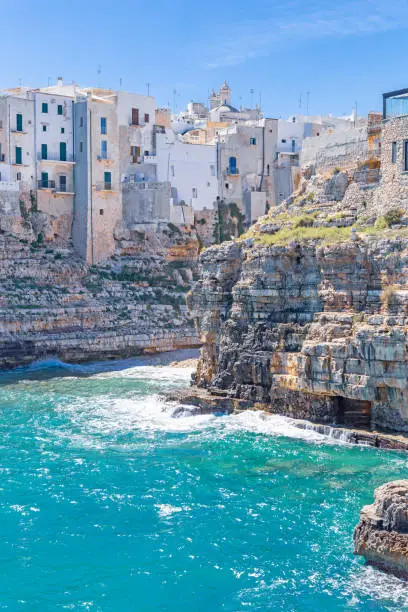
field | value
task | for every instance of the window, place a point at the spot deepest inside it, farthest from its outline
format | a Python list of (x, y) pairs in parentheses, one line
[(268, 170), (44, 128), (44, 180), (107, 177), (104, 149), (283, 140), (134, 154), (233, 165), (59, 109), (81, 147), (44, 107), (195, 192), (212, 170), (63, 151), (146, 118), (406, 155), (44, 151), (252, 141), (63, 183), (62, 130), (19, 155), (18, 177), (293, 146), (81, 122), (19, 122), (135, 116), (103, 125), (394, 153), (101, 211)]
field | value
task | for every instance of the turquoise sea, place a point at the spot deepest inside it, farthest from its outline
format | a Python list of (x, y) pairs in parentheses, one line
[(113, 500)]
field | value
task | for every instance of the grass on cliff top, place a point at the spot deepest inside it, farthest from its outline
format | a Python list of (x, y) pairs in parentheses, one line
[(327, 235)]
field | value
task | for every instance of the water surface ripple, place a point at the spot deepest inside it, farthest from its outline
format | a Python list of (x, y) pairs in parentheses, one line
[(109, 502)]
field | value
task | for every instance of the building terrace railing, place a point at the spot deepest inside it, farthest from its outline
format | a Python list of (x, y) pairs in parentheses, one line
[(106, 186), (46, 184), (56, 157)]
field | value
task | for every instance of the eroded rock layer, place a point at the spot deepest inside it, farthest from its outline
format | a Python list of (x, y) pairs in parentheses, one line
[(54, 305), (381, 536), (308, 330)]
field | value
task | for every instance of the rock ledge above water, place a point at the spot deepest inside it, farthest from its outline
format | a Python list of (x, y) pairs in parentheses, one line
[(381, 536)]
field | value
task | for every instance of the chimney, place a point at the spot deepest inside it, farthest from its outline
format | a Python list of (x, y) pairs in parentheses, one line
[(59, 81)]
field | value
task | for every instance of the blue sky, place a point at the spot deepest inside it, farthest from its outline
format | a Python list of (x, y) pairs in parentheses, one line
[(340, 53)]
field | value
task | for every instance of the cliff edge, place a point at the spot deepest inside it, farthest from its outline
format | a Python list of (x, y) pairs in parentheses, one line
[(381, 536), (307, 315)]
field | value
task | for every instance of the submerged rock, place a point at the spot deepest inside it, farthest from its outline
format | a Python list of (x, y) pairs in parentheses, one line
[(381, 536)]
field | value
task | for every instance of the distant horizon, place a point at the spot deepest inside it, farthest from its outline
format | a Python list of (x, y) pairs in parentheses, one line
[(347, 54)]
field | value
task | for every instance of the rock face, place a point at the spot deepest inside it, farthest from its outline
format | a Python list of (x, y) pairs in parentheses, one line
[(54, 305), (308, 330), (381, 536)]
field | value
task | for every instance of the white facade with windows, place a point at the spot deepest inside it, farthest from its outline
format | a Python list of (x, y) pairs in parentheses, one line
[(191, 170)]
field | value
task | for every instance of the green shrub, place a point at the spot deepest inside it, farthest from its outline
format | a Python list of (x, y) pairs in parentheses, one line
[(393, 216), (304, 221)]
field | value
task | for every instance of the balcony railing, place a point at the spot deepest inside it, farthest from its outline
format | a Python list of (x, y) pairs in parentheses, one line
[(64, 188), (56, 157), (150, 159), (46, 184), (232, 171), (105, 186), (104, 156)]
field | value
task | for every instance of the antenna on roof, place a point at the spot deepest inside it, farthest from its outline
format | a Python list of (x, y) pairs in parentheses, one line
[(148, 88), (120, 82), (300, 102), (20, 82), (252, 91), (99, 72), (307, 102)]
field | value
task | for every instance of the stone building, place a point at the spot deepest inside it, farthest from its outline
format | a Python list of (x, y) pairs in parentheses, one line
[(246, 157), (393, 189)]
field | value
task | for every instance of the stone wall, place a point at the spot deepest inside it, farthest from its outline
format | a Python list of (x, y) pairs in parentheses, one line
[(393, 190)]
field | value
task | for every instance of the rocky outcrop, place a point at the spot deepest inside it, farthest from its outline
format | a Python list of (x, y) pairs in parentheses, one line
[(381, 536), (53, 305), (307, 329)]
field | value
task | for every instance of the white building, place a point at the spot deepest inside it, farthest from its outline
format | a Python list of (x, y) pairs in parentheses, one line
[(191, 170)]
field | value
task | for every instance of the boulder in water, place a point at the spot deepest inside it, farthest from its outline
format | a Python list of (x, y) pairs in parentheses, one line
[(381, 536)]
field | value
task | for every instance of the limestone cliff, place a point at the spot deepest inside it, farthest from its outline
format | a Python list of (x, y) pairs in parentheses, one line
[(308, 318), (382, 533), (54, 305)]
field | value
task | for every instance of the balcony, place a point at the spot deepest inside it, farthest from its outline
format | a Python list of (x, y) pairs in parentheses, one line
[(56, 157), (46, 184), (105, 186), (64, 189), (104, 156), (150, 159), (232, 171), (17, 131)]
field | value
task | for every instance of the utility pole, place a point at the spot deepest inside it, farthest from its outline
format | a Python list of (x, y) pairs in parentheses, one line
[(174, 100)]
